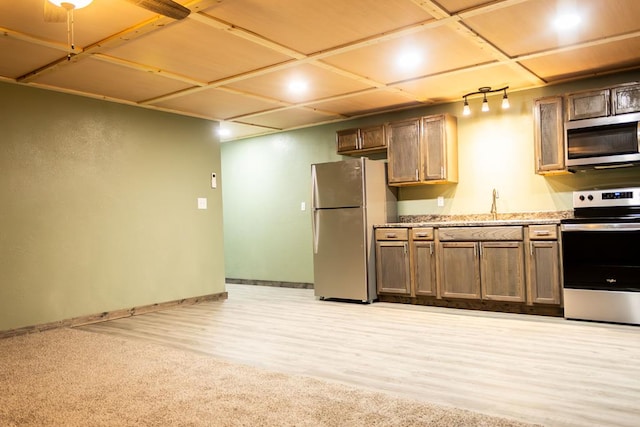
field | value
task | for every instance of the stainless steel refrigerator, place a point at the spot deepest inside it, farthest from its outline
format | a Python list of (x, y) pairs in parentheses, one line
[(348, 198)]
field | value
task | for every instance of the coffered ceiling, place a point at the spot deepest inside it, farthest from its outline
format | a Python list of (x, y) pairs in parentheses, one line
[(233, 60)]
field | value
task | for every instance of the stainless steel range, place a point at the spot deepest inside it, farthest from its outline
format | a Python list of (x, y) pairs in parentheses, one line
[(601, 256)]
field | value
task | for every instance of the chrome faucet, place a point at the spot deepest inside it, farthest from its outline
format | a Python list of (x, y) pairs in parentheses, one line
[(494, 208)]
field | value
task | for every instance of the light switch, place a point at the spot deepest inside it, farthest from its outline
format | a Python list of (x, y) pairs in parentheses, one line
[(202, 203)]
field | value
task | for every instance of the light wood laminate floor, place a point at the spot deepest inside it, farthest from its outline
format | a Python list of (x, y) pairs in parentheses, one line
[(536, 369)]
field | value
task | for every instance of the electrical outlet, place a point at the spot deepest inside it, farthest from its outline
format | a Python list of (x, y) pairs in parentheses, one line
[(214, 181), (440, 201), (303, 206)]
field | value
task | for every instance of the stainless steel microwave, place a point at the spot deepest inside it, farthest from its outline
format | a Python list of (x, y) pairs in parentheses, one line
[(603, 142)]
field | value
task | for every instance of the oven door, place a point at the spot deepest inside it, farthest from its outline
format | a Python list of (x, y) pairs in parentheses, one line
[(601, 256), (601, 271)]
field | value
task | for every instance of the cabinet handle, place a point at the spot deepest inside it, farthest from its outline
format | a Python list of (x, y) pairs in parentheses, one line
[(417, 175), (475, 250), (391, 235), (541, 232), (405, 247), (421, 234), (430, 248), (531, 248)]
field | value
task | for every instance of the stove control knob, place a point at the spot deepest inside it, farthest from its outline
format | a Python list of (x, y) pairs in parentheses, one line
[(590, 197), (581, 198)]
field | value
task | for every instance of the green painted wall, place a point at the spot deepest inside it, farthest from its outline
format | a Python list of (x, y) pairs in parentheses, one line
[(99, 207), (268, 237)]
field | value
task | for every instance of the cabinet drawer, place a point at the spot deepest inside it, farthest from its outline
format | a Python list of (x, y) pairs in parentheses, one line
[(481, 233), (392, 234), (543, 232), (422, 233)]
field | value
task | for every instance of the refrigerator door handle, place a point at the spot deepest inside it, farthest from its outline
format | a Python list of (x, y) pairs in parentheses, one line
[(316, 230), (314, 217), (314, 187)]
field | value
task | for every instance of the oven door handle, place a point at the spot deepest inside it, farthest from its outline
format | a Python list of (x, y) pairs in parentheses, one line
[(601, 227)]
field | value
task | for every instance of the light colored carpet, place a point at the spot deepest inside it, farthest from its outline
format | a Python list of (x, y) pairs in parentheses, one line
[(67, 377)]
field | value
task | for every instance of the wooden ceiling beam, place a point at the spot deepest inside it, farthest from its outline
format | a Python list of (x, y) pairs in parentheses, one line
[(147, 69), (153, 24), (16, 35)]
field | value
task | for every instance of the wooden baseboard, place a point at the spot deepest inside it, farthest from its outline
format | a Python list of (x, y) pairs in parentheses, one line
[(299, 285), (110, 315)]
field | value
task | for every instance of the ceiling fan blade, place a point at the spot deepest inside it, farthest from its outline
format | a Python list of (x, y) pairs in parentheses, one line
[(53, 13), (164, 7)]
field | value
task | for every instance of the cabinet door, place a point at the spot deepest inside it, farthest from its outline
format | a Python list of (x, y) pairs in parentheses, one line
[(588, 105), (626, 99), (373, 137), (502, 271), (392, 264), (549, 135), (433, 148), (424, 268), (347, 140), (459, 270), (544, 272), (404, 151)]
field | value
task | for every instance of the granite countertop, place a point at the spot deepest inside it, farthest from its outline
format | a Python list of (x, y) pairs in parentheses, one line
[(529, 218)]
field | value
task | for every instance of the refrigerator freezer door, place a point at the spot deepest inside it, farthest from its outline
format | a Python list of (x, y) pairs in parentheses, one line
[(338, 184), (340, 256)]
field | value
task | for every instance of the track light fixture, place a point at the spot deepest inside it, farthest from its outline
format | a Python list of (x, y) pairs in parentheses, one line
[(485, 105)]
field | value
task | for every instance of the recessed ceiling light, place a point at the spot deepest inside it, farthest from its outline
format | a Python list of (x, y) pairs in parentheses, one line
[(566, 21), (298, 86), (409, 59)]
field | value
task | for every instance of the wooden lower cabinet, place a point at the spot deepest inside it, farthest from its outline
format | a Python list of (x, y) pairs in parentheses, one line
[(459, 270), (392, 261), (423, 262), (502, 275), (544, 272), (482, 270), (424, 268), (503, 268)]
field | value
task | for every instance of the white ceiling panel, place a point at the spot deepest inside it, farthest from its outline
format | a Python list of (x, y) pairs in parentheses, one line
[(109, 80)]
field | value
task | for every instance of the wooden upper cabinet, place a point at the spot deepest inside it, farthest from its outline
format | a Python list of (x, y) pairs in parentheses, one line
[(549, 136), (423, 150), (359, 141), (404, 151), (625, 99), (347, 140), (620, 99), (588, 105), (440, 148), (373, 137)]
